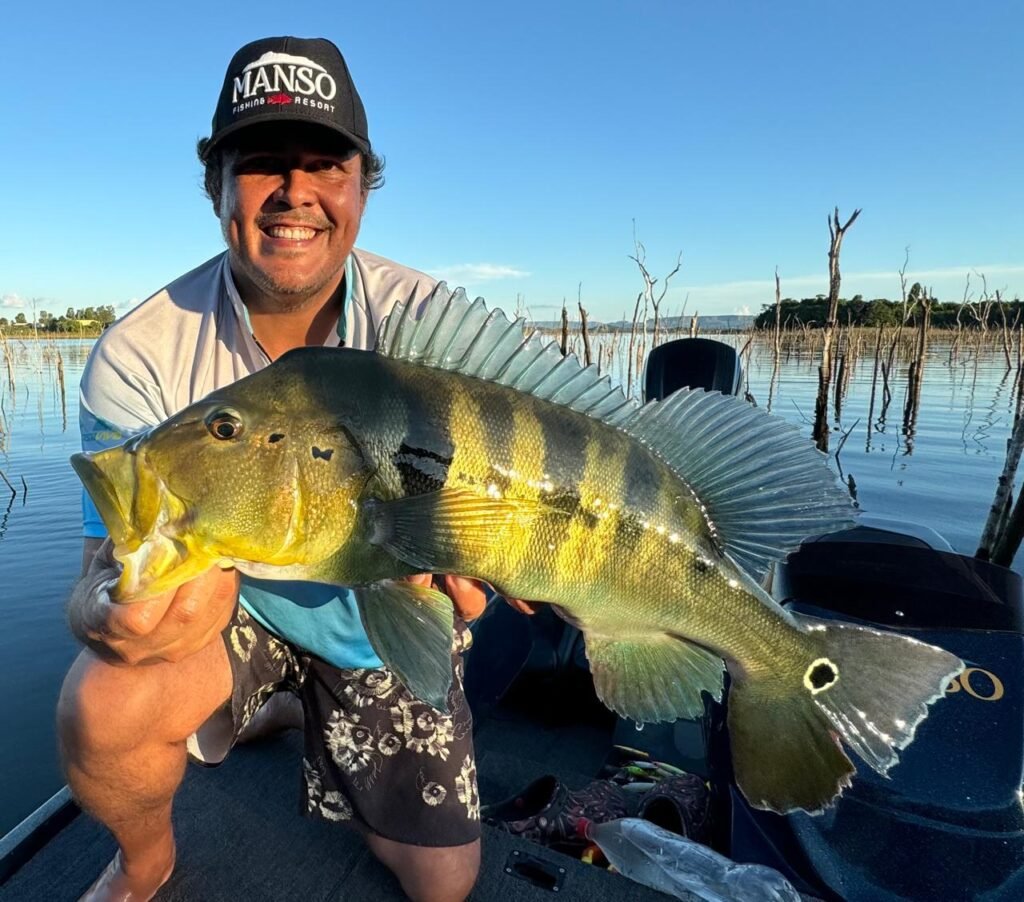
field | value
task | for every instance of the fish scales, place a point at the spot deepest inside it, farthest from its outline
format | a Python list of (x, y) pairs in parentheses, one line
[(357, 469), (571, 556)]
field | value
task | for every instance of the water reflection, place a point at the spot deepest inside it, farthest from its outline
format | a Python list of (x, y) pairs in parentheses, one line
[(957, 436)]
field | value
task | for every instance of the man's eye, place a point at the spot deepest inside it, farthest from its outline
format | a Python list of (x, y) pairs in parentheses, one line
[(257, 165)]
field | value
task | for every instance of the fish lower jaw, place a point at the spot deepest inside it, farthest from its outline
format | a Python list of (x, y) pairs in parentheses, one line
[(152, 566)]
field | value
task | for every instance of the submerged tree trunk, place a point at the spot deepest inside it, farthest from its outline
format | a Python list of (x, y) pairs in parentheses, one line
[(587, 359), (820, 433), (916, 372)]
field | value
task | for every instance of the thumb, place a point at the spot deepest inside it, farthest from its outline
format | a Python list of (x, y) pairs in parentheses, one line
[(468, 595)]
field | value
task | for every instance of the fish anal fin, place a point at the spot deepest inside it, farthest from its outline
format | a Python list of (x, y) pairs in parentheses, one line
[(410, 628), (653, 678)]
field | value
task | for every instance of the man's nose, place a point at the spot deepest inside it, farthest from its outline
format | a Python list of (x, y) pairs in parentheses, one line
[(296, 188)]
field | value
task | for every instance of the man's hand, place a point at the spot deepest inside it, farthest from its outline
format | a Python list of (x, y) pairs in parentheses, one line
[(468, 595), (167, 627)]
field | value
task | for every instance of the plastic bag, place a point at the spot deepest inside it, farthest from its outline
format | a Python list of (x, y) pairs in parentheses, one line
[(683, 868)]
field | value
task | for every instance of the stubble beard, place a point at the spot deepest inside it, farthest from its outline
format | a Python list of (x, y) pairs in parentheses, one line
[(287, 297)]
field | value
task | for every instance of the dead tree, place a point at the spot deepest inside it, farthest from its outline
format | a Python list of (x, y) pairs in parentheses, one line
[(874, 382), (777, 345), (1004, 527), (778, 314), (587, 359), (1007, 328), (836, 232), (916, 372), (909, 303), (632, 345), (640, 259)]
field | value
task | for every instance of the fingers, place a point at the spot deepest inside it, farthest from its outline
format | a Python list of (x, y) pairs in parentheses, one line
[(420, 579), (524, 607), (167, 627), (468, 595)]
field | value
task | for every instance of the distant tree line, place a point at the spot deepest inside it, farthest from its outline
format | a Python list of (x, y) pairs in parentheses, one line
[(813, 312), (83, 319)]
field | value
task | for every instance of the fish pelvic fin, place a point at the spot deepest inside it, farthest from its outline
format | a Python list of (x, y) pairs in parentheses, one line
[(410, 629), (861, 687), (655, 678)]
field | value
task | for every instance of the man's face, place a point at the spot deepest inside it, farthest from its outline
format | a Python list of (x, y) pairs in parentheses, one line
[(290, 209)]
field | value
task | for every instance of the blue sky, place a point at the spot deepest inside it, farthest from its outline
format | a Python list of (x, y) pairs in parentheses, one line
[(524, 140)]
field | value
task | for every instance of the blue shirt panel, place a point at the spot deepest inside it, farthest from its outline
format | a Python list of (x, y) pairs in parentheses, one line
[(320, 618)]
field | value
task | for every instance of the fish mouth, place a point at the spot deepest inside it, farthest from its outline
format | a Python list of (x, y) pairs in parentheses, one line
[(135, 506), (113, 511)]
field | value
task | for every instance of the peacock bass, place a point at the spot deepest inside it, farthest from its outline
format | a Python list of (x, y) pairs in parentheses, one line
[(461, 446)]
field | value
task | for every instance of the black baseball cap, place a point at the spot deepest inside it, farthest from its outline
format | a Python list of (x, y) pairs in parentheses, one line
[(289, 79)]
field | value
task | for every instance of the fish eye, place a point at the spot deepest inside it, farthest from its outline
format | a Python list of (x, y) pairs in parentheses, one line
[(224, 424)]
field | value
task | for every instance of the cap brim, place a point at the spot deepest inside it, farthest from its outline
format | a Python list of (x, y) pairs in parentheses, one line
[(361, 144)]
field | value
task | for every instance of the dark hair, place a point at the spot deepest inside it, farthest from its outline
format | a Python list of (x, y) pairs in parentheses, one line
[(213, 171)]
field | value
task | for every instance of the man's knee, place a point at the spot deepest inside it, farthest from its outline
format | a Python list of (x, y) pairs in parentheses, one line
[(101, 707), (107, 709), (430, 874)]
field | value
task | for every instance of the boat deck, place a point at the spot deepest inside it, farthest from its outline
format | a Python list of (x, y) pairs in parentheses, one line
[(241, 837)]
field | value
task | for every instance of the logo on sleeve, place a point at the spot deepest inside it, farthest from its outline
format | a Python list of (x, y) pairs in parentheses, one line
[(280, 78)]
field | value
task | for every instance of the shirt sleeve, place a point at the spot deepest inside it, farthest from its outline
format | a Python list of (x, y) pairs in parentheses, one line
[(116, 401)]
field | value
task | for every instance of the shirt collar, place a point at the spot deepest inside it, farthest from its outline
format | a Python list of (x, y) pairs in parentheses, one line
[(242, 312)]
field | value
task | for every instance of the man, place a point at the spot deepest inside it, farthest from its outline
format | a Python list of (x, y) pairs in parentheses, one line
[(289, 167)]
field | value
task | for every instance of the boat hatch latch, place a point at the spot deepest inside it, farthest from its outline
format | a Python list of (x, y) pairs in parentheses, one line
[(535, 871)]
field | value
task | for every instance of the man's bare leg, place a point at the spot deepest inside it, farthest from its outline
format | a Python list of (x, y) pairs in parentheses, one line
[(122, 733), (430, 874)]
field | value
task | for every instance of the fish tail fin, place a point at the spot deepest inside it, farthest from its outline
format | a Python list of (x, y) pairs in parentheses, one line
[(867, 688)]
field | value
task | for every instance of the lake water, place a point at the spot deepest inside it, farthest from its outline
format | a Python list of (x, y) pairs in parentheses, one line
[(943, 476)]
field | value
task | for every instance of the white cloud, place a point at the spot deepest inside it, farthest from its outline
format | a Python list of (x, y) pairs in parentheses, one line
[(742, 310), (12, 301), (471, 273)]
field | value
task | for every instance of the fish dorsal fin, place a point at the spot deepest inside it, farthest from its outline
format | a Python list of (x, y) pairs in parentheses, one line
[(762, 484), (449, 332)]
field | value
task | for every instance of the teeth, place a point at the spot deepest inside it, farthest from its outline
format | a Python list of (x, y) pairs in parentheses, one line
[(292, 234)]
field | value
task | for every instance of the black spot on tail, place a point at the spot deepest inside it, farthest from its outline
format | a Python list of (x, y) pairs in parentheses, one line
[(322, 455), (276, 437), (822, 675)]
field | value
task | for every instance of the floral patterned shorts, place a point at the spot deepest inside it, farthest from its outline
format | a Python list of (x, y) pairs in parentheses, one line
[(374, 754)]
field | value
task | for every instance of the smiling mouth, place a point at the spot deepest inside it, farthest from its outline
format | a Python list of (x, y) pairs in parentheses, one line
[(291, 233)]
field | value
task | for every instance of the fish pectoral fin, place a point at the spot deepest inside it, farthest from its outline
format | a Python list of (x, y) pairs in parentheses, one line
[(449, 528), (653, 678), (410, 629)]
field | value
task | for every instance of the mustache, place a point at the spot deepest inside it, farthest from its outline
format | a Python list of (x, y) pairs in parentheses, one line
[(295, 218)]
